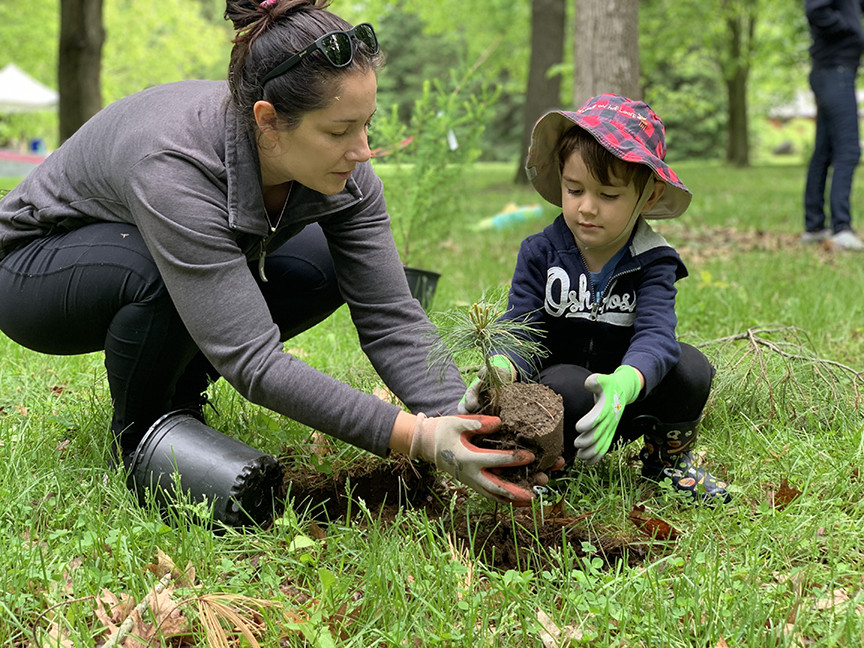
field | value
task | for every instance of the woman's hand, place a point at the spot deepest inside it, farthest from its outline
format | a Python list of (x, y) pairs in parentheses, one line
[(447, 442)]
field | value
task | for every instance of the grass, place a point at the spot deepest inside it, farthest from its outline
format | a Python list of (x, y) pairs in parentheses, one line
[(780, 566)]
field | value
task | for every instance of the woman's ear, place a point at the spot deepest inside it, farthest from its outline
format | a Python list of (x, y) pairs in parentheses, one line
[(265, 117), (656, 194)]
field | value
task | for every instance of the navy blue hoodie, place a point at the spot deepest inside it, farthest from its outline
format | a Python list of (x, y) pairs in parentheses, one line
[(634, 321), (835, 26)]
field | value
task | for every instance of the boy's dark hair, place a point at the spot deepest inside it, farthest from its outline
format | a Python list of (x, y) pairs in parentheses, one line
[(601, 163)]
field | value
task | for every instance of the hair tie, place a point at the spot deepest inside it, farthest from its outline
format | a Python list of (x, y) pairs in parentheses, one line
[(267, 4)]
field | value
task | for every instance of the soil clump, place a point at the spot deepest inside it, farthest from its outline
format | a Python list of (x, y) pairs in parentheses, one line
[(532, 417)]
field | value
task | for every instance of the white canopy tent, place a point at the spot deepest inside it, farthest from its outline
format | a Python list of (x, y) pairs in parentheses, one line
[(19, 92)]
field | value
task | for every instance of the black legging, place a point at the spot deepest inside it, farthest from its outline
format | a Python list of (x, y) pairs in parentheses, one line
[(679, 398), (98, 287)]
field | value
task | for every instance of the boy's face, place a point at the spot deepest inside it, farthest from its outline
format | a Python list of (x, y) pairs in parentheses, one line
[(598, 215)]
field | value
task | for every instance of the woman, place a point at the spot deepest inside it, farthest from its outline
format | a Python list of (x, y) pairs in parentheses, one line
[(191, 228)]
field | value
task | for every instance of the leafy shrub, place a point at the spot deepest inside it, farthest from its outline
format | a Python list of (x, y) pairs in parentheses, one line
[(429, 157)]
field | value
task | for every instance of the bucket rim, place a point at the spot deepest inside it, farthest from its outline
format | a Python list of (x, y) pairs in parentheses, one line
[(155, 427)]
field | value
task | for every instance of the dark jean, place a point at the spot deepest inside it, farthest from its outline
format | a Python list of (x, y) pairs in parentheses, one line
[(98, 288), (837, 145), (679, 398)]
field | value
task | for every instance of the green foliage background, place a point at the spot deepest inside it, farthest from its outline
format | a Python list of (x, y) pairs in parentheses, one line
[(682, 49), (146, 43)]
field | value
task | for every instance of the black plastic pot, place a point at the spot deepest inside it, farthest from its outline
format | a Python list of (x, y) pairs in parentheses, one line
[(422, 284), (243, 484)]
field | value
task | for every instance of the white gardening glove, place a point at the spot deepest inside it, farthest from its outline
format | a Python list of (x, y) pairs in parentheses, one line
[(446, 441), (506, 374)]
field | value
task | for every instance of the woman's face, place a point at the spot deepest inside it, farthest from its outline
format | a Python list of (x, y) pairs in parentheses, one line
[(323, 150)]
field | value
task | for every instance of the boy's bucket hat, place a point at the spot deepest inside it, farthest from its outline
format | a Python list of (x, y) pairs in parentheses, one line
[(628, 129)]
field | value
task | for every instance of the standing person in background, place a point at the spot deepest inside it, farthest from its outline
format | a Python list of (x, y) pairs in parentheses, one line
[(838, 41), (190, 229)]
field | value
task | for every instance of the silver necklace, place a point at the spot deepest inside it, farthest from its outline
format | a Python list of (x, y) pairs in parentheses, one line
[(273, 227)]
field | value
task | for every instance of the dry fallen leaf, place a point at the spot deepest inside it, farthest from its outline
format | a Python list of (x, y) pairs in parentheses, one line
[(165, 565), (316, 531), (784, 495), (56, 638), (555, 510), (652, 527), (554, 637), (112, 610), (385, 394), (836, 598), (168, 617), (321, 444)]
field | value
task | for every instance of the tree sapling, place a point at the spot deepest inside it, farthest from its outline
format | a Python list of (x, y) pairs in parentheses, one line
[(532, 415)]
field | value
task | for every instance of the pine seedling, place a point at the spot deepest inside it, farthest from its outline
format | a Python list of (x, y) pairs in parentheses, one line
[(476, 334)]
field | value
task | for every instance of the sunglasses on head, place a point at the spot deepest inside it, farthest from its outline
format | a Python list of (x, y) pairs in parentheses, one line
[(337, 47)]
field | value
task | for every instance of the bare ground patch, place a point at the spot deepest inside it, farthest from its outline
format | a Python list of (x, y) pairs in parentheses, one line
[(502, 538)]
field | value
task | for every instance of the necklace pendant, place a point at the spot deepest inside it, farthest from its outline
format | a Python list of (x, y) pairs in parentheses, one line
[(261, 263)]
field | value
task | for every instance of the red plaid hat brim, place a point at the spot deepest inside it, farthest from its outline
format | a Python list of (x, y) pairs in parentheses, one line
[(628, 129)]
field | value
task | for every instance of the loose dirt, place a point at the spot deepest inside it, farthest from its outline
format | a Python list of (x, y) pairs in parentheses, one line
[(504, 538)]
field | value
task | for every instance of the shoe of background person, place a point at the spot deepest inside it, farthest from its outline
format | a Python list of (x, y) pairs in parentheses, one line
[(847, 240), (816, 237)]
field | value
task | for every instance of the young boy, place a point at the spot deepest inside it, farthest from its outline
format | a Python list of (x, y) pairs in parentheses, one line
[(599, 284)]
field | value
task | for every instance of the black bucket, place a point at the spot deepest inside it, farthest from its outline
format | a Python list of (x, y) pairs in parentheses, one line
[(243, 484), (422, 284)]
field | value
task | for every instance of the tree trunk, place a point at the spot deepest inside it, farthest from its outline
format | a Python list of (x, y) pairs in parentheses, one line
[(606, 49), (547, 50), (79, 65), (741, 29), (738, 143)]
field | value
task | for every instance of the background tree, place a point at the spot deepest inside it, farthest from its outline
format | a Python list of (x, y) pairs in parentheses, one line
[(739, 18), (543, 92), (159, 42), (725, 45), (79, 63), (146, 43), (606, 49), (681, 52)]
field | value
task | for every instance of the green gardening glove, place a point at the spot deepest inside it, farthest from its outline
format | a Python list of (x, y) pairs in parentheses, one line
[(612, 393), (506, 374)]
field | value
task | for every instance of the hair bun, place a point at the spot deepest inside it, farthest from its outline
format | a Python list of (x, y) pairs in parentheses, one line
[(242, 13)]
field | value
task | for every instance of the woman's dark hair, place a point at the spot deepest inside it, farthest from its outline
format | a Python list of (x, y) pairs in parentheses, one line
[(601, 163), (265, 37)]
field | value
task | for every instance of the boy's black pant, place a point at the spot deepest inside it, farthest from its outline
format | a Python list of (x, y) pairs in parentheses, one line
[(98, 288), (679, 398)]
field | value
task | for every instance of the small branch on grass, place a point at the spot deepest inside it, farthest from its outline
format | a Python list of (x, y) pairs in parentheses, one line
[(804, 372), (755, 339), (126, 626)]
